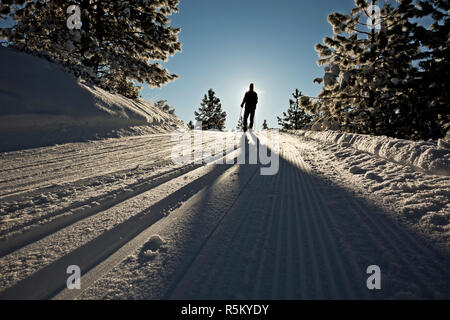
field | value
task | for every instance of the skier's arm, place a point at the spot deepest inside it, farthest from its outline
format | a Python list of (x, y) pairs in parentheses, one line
[(243, 101)]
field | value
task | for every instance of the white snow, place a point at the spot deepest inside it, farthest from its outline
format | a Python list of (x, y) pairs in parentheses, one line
[(399, 182), (427, 156), (286, 234), (41, 104)]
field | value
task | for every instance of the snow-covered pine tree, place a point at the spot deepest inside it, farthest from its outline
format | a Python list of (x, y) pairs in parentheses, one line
[(190, 125), (264, 125), (210, 112), (296, 117), (367, 70), (432, 85), (240, 124), (114, 47)]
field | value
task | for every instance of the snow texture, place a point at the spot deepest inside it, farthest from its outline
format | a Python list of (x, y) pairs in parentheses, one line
[(43, 105), (427, 156), (153, 230), (419, 199)]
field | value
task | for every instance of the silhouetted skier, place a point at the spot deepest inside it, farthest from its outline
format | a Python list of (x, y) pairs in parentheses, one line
[(250, 101)]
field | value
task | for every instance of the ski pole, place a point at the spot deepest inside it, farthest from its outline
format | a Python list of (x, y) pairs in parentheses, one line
[(240, 117)]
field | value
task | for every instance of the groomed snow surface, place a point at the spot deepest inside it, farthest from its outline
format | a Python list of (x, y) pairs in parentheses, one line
[(141, 227), (41, 104)]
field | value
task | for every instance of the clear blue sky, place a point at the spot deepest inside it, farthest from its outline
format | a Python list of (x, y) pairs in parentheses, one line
[(229, 43)]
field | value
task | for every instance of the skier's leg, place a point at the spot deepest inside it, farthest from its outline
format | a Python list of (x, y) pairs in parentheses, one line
[(252, 117), (246, 114)]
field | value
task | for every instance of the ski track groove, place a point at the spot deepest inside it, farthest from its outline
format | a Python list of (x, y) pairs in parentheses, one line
[(93, 166), (220, 277), (318, 292), (87, 260), (205, 286), (87, 151), (326, 228), (183, 272), (327, 218), (279, 236), (74, 182), (190, 167), (223, 264), (76, 155), (280, 226), (127, 160), (290, 265), (240, 236), (61, 221), (262, 261), (393, 239), (320, 250)]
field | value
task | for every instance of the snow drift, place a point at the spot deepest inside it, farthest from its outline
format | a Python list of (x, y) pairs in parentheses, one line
[(41, 104), (431, 157)]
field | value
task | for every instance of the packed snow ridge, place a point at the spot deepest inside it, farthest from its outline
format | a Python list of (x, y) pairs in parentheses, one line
[(41, 104), (428, 156)]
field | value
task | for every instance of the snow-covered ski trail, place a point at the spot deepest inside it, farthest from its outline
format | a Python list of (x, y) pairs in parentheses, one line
[(293, 236), (61, 231), (226, 232)]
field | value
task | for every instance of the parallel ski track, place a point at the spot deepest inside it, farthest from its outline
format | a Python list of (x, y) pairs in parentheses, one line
[(74, 169), (301, 252), (62, 218), (294, 251), (172, 201), (90, 167)]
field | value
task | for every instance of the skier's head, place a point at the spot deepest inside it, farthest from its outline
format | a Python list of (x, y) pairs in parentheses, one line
[(251, 86)]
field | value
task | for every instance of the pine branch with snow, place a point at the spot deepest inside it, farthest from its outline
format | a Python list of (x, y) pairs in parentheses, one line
[(115, 47), (372, 82)]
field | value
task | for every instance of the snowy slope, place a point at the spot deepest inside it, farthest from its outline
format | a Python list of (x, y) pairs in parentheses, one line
[(40, 104)]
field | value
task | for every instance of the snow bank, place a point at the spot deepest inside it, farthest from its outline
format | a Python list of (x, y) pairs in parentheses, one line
[(430, 157), (41, 104)]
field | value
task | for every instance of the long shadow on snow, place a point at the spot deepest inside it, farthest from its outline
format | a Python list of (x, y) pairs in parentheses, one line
[(51, 279), (296, 236)]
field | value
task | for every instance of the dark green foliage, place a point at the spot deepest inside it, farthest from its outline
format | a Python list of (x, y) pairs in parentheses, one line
[(210, 112), (296, 117)]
